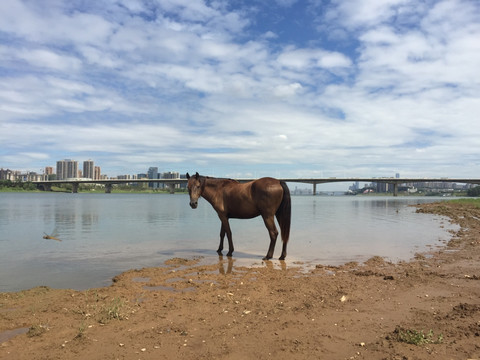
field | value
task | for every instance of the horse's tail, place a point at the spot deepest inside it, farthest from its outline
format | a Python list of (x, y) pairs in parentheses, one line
[(284, 213)]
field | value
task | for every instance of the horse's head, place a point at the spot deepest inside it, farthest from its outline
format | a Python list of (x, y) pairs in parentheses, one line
[(194, 187)]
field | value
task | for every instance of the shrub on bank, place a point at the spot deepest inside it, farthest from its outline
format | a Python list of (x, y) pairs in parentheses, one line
[(474, 191)]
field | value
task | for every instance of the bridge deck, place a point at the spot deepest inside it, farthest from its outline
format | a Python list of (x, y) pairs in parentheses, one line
[(295, 180)]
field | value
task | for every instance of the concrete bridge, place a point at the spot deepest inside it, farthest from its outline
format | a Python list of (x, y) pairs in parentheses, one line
[(46, 185), (395, 182)]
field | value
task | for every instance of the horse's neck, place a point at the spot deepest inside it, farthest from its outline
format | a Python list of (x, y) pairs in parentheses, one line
[(212, 190)]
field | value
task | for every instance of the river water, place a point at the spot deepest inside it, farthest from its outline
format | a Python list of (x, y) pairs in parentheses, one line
[(105, 234)]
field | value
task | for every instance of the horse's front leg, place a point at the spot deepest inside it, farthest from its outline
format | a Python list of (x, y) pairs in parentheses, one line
[(225, 230), (222, 237)]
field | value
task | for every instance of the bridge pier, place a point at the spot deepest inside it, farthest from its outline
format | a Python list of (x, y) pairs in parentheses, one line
[(108, 188), (395, 189), (314, 189), (171, 187), (75, 188), (44, 187)]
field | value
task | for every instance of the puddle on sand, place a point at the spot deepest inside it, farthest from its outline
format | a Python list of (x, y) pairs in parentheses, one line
[(9, 334), (450, 251)]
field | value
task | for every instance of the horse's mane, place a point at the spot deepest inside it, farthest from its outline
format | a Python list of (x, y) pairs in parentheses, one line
[(220, 179)]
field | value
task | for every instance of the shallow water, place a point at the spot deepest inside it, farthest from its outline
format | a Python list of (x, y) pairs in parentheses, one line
[(105, 234)]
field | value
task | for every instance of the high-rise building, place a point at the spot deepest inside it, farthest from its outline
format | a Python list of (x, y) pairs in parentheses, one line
[(61, 170), (7, 174), (72, 169), (89, 169), (171, 175), (48, 173), (97, 173), (153, 174), (67, 169)]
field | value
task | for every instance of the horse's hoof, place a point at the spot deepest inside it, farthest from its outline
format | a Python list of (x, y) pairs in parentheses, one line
[(266, 258), (229, 254), (281, 258)]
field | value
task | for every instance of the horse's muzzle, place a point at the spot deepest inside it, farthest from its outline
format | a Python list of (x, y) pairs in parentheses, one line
[(193, 204)]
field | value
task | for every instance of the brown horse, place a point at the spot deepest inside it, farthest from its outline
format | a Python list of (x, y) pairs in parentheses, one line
[(267, 197)]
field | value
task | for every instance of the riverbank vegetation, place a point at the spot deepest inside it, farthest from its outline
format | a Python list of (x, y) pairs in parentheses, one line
[(16, 186), (475, 191), (472, 202)]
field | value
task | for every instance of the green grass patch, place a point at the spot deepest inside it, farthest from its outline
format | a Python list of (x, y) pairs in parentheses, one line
[(36, 330), (467, 201), (113, 311), (415, 337)]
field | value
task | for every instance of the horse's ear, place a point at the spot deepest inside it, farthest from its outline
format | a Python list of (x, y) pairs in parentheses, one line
[(188, 176), (197, 175)]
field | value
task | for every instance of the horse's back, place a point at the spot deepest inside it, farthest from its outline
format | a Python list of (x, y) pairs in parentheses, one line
[(248, 200), (267, 192), (266, 185)]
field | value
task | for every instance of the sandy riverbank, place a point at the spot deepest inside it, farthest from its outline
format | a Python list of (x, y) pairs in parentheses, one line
[(423, 309)]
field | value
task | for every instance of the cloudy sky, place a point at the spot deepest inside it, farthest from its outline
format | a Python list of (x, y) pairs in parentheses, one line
[(243, 88)]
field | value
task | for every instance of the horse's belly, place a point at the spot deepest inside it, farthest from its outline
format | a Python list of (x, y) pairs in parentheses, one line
[(244, 213)]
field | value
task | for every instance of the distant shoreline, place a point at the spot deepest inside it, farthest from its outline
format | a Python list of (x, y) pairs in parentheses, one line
[(178, 191), (94, 191)]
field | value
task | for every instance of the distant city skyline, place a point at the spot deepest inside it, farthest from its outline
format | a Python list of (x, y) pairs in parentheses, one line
[(69, 167)]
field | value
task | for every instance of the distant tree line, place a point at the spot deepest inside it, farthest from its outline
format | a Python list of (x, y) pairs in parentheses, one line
[(475, 191), (17, 185)]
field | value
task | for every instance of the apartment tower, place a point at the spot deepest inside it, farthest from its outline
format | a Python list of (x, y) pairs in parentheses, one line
[(67, 169), (89, 169)]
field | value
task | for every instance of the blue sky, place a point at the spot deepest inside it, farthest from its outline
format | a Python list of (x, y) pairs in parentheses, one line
[(285, 88)]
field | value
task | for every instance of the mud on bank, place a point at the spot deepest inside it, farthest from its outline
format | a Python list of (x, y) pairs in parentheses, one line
[(422, 309)]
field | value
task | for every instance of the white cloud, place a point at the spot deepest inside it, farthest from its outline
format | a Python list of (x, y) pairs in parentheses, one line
[(135, 6), (303, 59), (365, 13), (98, 57), (48, 24), (333, 60), (287, 90), (48, 59)]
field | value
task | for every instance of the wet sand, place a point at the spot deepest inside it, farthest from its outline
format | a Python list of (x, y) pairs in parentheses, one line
[(422, 309)]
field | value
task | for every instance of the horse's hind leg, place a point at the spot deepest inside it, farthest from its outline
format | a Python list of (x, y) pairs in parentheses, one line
[(284, 251), (273, 232)]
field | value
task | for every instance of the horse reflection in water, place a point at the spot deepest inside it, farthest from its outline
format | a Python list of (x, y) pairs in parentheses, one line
[(266, 197), (221, 266), (229, 265)]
